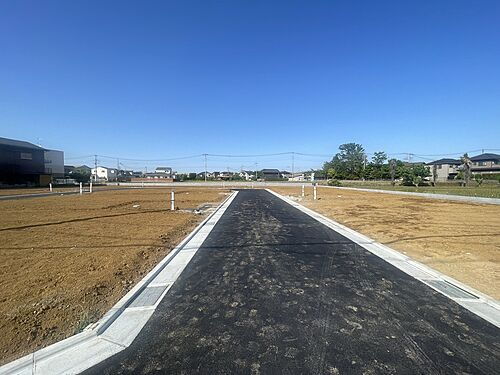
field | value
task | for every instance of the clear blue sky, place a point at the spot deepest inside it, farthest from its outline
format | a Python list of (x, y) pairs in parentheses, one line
[(158, 79)]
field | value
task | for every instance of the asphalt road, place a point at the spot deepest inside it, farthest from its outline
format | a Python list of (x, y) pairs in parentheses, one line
[(273, 291)]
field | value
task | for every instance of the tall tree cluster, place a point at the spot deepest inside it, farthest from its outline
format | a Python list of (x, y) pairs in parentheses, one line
[(351, 163)]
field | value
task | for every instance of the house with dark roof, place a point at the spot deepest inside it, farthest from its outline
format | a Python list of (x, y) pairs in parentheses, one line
[(445, 169), (164, 171), (486, 163), (22, 163), (270, 174)]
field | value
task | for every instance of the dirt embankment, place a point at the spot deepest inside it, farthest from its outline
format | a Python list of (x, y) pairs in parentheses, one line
[(65, 260), (461, 240)]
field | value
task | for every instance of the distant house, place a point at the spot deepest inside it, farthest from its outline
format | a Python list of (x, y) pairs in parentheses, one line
[(164, 171), (201, 175), (247, 175), (22, 163), (446, 169), (225, 176), (285, 174), (83, 169), (124, 175), (104, 173), (158, 176), (297, 177), (270, 174), (310, 176), (68, 169), (486, 163)]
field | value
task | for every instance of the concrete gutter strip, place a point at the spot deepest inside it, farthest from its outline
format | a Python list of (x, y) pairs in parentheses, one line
[(471, 299), (458, 198), (117, 329)]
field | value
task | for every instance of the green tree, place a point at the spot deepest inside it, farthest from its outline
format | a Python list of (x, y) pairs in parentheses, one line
[(348, 163), (417, 180), (376, 167), (466, 168), (414, 174), (379, 158)]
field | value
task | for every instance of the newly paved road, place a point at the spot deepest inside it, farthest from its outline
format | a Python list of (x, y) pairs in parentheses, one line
[(273, 291)]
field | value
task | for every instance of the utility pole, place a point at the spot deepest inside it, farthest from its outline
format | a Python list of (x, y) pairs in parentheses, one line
[(293, 164), (205, 155)]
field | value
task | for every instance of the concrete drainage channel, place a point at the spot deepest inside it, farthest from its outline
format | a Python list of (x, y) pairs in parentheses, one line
[(473, 300), (116, 330)]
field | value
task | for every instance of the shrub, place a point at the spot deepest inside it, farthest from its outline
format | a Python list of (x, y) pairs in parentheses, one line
[(479, 179), (334, 182)]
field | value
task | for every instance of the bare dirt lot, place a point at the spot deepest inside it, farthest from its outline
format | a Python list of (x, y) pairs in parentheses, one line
[(26, 191), (65, 260), (461, 240), (56, 189)]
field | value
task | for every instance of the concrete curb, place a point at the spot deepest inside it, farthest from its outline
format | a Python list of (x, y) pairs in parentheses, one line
[(117, 329), (473, 300), (449, 197)]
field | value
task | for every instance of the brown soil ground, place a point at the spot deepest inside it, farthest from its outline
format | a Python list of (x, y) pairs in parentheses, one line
[(461, 240), (57, 189), (26, 191), (65, 260)]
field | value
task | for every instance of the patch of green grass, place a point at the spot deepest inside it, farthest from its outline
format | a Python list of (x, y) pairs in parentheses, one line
[(485, 190)]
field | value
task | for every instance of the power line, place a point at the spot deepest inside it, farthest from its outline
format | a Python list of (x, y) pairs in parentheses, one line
[(146, 160), (249, 155), (78, 157)]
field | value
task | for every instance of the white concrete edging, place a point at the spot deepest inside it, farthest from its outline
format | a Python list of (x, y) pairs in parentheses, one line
[(483, 305), (117, 329)]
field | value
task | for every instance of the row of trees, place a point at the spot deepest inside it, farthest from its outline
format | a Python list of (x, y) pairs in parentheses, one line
[(351, 163)]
